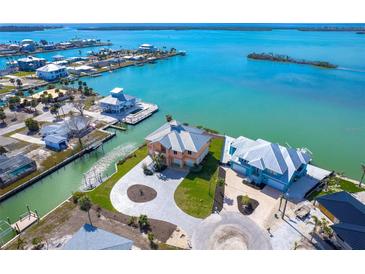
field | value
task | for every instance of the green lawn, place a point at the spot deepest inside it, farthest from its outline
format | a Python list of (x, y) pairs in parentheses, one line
[(195, 194), (336, 186), (5, 89), (23, 73), (101, 194)]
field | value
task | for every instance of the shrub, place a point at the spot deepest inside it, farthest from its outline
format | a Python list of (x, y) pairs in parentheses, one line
[(143, 222), (76, 196), (146, 170), (220, 182), (132, 221), (32, 124), (246, 200)]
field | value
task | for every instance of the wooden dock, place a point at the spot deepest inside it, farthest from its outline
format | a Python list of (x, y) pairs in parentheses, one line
[(118, 127), (25, 221), (133, 119)]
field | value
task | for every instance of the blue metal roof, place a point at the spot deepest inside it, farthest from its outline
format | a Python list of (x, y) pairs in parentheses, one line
[(92, 238), (56, 139)]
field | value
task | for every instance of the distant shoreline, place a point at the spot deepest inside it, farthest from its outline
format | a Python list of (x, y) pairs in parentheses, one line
[(286, 59), (27, 28), (226, 28)]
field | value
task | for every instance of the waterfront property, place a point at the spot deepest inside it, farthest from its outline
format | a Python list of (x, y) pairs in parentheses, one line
[(30, 63), (90, 237), (59, 129), (84, 69), (14, 168), (117, 101), (51, 72), (55, 142), (265, 163), (348, 215), (147, 48), (181, 145)]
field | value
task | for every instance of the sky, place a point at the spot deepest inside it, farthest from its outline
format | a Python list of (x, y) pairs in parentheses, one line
[(183, 11)]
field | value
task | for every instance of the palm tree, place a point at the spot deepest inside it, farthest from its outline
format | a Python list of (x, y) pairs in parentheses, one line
[(363, 174), (317, 223), (11, 80), (85, 205)]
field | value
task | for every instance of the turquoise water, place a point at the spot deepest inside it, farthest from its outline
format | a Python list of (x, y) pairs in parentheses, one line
[(216, 86)]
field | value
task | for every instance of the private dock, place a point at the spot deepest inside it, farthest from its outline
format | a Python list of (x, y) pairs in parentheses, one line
[(135, 118), (25, 221), (118, 127)]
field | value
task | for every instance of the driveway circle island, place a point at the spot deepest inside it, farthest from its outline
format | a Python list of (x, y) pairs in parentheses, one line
[(141, 193), (229, 230)]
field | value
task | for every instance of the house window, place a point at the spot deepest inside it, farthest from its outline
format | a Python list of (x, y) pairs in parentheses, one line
[(189, 152), (175, 152)]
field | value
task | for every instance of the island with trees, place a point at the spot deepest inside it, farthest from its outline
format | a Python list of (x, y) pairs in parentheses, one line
[(30, 28), (287, 59)]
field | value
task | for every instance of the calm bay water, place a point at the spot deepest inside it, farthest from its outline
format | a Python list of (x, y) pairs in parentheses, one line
[(216, 86)]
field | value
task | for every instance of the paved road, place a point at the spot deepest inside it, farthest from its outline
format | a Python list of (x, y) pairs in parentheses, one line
[(44, 117), (163, 207)]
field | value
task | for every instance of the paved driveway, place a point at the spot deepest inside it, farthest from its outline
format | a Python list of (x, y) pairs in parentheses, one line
[(267, 197), (163, 207)]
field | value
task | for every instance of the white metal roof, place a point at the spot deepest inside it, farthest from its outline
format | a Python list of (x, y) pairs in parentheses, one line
[(178, 137), (50, 68)]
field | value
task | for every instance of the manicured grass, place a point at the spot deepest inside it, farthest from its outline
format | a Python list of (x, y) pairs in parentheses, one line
[(5, 89), (195, 194), (23, 73), (343, 185), (101, 194)]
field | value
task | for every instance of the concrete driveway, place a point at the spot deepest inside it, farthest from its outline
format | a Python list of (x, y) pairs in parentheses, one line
[(268, 198), (163, 207)]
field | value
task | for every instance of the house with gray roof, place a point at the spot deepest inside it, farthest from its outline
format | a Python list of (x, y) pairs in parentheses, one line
[(117, 101), (181, 145), (265, 163), (348, 216)]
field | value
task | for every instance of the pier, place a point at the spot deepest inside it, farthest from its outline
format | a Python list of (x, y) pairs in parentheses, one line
[(135, 118)]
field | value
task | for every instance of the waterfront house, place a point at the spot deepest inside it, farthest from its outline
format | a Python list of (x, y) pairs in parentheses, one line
[(147, 48), (30, 63), (181, 145), (348, 217), (52, 72), (89, 237), (59, 129), (58, 57), (265, 163), (14, 168), (55, 142), (81, 69), (117, 101)]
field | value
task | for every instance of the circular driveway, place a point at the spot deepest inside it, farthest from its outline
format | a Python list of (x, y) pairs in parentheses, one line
[(163, 207), (229, 230)]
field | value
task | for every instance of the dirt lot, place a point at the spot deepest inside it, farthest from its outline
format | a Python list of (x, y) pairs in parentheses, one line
[(59, 226)]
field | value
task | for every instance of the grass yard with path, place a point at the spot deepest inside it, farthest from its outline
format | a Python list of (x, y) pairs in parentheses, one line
[(195, 194), (6, 89), (101, 194), (335, 185)]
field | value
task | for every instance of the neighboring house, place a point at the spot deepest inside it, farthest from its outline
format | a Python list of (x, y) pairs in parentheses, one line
[(58, 57), (51, 72), (55, 142), (79, 126), (30, 63), (147, 48), (181, 145), (348, 215), (81, 69), (15, 168), (60, 129), (92, 238), (265, 163), (117, 101)]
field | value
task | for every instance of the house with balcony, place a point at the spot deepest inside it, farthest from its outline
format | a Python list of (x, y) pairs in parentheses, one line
[(182, 146), (52, 72), (147, 48), (30, 63), (265, 163), (117, 101)]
